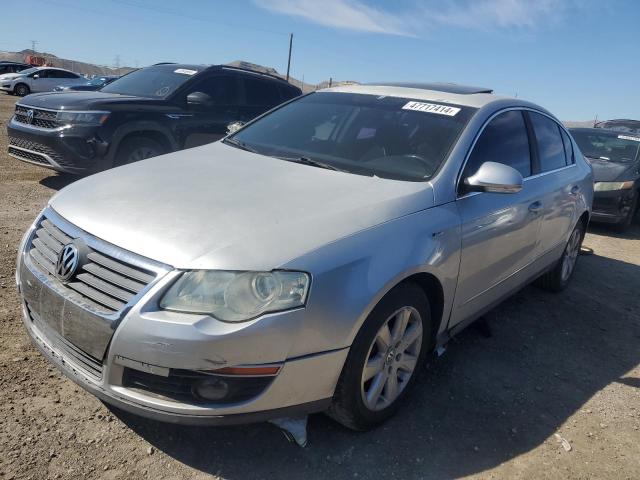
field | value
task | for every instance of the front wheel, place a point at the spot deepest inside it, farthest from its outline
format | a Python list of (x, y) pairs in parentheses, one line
[(136, 149), (384, 359), (558, 278), (21, 90)]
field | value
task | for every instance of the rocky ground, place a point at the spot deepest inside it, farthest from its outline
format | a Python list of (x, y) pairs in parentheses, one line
[(554, 393)]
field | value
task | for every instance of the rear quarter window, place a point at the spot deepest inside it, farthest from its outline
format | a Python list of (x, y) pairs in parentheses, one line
[(551, 150), (261, 93)]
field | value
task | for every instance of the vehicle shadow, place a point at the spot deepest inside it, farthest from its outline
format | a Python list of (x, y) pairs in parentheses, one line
[(486, 401), (609, 230), (59, 180)]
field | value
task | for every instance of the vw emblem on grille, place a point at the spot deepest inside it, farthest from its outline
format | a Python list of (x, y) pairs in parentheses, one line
[(67, 263), (29, 116)]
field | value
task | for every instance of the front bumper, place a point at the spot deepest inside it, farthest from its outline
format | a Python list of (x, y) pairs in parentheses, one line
[(151, 342), (612, 206), (75, 150)]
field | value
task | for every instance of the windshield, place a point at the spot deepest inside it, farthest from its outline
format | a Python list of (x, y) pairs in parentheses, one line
[(610, 146), (154, 82), (389, 137), (97, 81)]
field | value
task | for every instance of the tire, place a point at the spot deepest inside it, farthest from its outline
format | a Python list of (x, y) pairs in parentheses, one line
[(355, 403), (626, 222), (21, 90), (137, 148), (558, 278)]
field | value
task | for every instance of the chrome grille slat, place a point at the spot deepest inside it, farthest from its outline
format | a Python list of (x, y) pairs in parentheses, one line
[(44, 250), (103, 283), (105, 287), (112, 277), (119, 267), (41, 118), (96, 296), (49, 241), (42, 261)]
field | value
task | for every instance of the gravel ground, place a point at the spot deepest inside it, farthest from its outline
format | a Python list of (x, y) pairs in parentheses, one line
[(553, 393)]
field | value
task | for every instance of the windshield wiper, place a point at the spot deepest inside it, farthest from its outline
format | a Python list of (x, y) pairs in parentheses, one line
[(313, 163), (239, 144)]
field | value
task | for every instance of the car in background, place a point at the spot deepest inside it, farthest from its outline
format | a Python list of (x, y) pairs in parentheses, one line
[(615, 158), (40, 79), (89, 86), (148, 112), (311, 261), (12, 67), (621, 125)]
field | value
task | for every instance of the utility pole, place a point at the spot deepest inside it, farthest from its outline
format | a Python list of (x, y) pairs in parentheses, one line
[(116, 61), (289, 61), (33, 46)]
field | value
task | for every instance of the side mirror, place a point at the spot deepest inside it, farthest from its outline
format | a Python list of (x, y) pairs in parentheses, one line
[(199, 98), (233, 127), (36, 76), (495, 178)]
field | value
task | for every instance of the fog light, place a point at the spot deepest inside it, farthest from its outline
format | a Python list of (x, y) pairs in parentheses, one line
[(211, 389)]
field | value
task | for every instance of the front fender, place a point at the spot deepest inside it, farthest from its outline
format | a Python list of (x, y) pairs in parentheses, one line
[(351, 275), (128, 128)]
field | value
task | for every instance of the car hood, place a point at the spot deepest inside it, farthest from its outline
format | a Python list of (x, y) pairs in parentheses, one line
[(607, 171), (74, 100), (219, 207), (10, 76)]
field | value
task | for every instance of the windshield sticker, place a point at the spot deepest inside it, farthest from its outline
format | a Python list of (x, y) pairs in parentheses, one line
[(432, 108), (627, 137), (185, 71)]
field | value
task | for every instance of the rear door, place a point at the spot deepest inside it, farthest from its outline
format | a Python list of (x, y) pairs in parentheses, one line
[(557, 181), (499, 230)]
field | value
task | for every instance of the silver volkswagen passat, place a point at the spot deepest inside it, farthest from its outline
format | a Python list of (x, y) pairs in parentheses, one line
[(307, 262)]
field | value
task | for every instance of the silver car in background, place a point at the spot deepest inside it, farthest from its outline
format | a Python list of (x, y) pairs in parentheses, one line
[(40, 79), (307, 262)]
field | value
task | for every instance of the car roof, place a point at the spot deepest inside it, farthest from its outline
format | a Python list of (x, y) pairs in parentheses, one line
[(202, 68), (476, 97)]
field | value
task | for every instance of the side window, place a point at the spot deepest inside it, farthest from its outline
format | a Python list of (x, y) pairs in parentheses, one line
[(504, 140), (56, 74), (222, 89), (40, 74), (67, 75), (286, 93), (261, 93), (5, 69), (568, 148), (550, 147)]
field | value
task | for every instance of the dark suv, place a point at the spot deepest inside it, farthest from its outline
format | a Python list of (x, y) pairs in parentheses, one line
[(151, 111), (12, 67)]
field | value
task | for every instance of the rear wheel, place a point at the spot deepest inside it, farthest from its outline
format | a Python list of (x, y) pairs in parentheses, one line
[(557, 279), (136, 149), (384, 359), (21, 90)]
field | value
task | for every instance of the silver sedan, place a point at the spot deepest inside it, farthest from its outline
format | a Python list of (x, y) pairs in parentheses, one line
[(307, 262)]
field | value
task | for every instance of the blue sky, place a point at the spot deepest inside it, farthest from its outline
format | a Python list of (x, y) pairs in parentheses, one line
[(577, 58)]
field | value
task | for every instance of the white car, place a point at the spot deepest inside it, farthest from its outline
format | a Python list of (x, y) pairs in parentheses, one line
[(38, 79)]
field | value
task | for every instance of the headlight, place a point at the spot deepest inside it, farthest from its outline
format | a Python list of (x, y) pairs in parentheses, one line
[(83, 118), (609, 186), (236, 296)]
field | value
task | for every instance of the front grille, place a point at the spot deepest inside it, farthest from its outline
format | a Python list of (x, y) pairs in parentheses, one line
[(41, 118), (179, 385), (106, 283), (89, 365), (37, 152)]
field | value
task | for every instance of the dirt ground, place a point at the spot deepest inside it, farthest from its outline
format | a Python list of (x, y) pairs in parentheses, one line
[(566, 365)]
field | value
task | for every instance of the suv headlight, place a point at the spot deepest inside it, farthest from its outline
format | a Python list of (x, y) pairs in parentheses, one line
[(236, 296), (83, 118), (609, 186)]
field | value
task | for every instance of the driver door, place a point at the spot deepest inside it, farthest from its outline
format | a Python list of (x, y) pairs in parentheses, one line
[(499, 230), (207, 121)]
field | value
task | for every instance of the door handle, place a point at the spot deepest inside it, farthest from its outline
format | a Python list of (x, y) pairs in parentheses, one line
[(575, 189), (535, 207)]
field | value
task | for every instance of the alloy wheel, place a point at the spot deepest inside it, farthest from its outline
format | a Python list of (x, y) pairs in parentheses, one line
[(571, 255), (392, 358), (142, 153)]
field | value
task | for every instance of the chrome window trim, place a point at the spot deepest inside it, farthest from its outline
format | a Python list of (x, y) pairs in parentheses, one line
[(481, 129), (158, 268)]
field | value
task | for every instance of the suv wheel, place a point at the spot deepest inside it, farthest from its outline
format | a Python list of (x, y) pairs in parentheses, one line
[(384, 360), (557, 279), (136, 149), (21, 90)]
